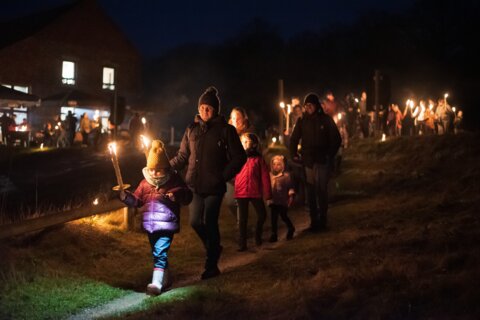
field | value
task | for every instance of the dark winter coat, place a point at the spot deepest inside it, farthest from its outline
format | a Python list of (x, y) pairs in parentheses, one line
[(253, 181), (320, 138), (159, 212), (212, 153)]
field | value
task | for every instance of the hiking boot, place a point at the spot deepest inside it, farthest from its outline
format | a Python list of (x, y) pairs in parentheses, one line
[(210, 273), (273, 238), (242, 248), (290, 233)]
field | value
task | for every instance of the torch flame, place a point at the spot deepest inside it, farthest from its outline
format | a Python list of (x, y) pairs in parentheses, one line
[(145, 141), (282, 105), (95, 202), (112, 147), (144, 121)]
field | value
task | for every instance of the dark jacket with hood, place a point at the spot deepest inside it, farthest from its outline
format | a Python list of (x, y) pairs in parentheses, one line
[(320, 138), (213, 154)]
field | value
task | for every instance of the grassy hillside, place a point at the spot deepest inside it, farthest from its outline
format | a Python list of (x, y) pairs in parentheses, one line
[(402, 243)]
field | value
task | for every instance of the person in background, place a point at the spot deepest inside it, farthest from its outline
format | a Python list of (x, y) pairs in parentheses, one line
[(330, 105), (159, 195), (283, 194), (135, 127), (320, 141), (444, 115), (364, 118), (70, 127), (252, 185), (212, 152), (85, 128), (238, 119)]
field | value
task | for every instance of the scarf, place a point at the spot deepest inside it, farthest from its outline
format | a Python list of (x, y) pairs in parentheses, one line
[(157, 182)]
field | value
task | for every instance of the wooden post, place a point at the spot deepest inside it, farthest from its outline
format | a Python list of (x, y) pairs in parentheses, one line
[(376, 78), (280, 110)]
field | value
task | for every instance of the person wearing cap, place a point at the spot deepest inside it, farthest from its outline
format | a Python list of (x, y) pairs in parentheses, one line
[(212, 153), (159, 195), (320, 140)]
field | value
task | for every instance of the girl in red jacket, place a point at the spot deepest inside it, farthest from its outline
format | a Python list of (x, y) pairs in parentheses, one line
[(252, 184)]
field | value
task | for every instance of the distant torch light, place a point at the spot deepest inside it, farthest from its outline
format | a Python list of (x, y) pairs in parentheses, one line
[(144, 121), (274, 139), (384, 137), (282, 105), (445, 95), (41, 146), (454, 109), (56, 128), (339, 116), (95, 202)]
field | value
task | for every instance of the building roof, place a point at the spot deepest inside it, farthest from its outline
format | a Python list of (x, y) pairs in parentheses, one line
[(20, 28)]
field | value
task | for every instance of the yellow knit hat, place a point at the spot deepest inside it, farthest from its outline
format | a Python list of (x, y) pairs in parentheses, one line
[(157, 156)]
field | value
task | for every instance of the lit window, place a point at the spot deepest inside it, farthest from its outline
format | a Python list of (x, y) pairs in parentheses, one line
[(21, 88), (68, 72), (108, 78), (18, 88)]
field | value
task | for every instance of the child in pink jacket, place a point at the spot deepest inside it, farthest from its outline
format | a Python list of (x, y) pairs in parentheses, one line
[(252, 184)]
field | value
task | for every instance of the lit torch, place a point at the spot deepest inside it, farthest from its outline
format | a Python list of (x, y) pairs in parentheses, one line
[(145, 144), (112, 147), (144, 122)]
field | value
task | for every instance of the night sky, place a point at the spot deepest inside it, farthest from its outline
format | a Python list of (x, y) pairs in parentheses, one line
[(156, 26)]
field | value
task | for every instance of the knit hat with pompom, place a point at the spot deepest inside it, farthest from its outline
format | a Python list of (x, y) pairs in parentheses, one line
[(157, 156), (210, 97)]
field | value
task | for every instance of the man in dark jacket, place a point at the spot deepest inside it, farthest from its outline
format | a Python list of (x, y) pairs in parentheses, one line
[(212, 152), (320, 141)]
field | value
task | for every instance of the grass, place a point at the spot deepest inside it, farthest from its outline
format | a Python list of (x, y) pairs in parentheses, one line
[(47, 297), (403, 243)]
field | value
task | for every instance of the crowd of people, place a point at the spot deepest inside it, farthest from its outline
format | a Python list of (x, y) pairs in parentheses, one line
[(423, 118), (216, 154)]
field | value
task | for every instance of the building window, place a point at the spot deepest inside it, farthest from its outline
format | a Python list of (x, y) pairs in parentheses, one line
[(18, 88), (68, 72), (108, 78)]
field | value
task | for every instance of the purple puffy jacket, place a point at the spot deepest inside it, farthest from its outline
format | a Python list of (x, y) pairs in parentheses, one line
[(159, 212)]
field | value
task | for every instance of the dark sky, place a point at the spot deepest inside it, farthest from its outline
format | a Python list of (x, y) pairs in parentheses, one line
[(155, 26)]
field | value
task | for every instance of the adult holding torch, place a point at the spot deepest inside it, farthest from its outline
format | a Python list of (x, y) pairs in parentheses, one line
[(212, 152)]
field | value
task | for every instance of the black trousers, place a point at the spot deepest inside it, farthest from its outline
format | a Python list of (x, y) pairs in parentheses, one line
[(243, 219), (279, 210)]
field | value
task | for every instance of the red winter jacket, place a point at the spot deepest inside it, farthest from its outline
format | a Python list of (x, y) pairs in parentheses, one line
[(253, 181)]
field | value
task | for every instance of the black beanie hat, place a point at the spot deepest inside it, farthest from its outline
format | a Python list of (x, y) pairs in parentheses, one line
[(313, 99), (210, 97)]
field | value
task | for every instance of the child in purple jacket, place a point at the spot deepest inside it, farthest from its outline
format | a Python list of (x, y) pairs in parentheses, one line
[(283, 193), (159, 197)]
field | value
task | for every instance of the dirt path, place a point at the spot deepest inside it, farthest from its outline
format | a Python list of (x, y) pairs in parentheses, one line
[(230, 261)]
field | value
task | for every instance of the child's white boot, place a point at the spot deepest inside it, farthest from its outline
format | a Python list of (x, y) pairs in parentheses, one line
[(155, 288), (167, 281)]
